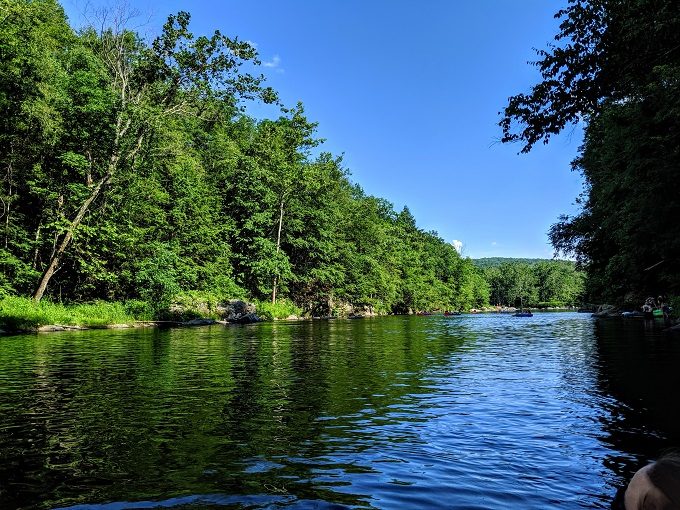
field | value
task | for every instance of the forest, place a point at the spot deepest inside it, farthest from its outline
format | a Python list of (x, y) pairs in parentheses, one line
[(130, 172), (614, 68), (535, 283)]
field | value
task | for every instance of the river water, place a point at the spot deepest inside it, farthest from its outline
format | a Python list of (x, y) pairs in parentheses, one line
[(471, 412)]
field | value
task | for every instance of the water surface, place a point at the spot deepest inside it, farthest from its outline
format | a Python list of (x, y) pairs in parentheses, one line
[(478, 411)]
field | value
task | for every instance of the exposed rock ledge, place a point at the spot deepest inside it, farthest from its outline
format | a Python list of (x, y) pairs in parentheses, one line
[(606, 311)]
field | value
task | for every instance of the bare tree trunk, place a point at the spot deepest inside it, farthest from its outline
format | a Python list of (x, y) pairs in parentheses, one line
[(9, 204), (37, 245), (278, 248), (57, 255)]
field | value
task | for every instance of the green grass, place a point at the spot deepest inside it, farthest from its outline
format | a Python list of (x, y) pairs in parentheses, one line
[(19, 313), (282, 309)]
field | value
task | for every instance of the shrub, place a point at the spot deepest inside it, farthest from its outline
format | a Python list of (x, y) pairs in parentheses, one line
[(139, 309), (280, 310)]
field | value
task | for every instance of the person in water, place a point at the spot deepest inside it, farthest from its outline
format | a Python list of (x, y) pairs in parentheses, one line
[(654, 487)]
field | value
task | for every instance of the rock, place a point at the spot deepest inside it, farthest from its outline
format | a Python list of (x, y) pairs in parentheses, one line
[(181, 310), (292, 318), (200, 322), (118, 326), (236, 311), (57, 327), (606, 311), (248, 318)]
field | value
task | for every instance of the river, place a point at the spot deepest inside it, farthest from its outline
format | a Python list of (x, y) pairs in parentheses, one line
[(481, 411)]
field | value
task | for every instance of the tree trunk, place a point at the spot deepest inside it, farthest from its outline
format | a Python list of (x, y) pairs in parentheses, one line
[(278, 248), (59, 252), (37, 246), (9, 205)]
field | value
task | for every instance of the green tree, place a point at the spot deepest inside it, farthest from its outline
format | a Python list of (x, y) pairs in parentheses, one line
[(616, 65), (35, 39), (172, 77)]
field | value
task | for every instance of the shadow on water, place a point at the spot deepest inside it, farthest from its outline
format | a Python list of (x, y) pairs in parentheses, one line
[(399, 412), (638, 367)]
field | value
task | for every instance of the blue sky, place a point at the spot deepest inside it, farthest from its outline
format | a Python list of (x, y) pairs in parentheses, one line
[(410, 92)]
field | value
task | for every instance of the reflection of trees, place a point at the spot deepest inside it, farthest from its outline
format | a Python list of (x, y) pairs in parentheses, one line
[(308, 397), (639, 370), (139, 414)]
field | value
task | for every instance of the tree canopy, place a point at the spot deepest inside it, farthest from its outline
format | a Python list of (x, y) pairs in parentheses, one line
[(131, 171), (616, 66)]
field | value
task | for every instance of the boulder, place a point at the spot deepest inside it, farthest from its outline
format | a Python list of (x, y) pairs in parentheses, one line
[(605, 311), (249, 318), (200, 322), (181, 311), (237, 311), (58, 327)]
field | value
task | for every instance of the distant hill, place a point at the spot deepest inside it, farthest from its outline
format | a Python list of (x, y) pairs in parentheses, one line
[(497, 261)]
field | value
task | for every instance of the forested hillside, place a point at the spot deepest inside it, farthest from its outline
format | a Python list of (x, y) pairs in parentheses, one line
[(497, 261), (129, 171), (537, 283)]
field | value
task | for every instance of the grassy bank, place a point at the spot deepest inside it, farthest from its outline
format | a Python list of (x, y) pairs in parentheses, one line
[(19, 313), (282, 309), (22, 314)]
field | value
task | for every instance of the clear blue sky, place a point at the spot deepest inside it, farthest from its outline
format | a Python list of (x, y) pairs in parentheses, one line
[(410, 92)]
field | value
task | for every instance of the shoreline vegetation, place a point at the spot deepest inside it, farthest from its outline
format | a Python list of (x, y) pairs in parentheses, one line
[(508, 283), (133, 179), (24, 315)]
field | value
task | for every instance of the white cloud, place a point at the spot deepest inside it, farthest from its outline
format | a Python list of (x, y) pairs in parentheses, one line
[(494, 243), (458, 245), (274, 62)]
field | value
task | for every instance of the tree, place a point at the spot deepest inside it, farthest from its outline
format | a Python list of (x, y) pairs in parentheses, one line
[(282, 147), (624, 233), (34, 42), (617, 67), (604, 53), (172, 77)]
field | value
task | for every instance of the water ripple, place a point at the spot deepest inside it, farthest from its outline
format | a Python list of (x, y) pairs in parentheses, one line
[(483, 411)]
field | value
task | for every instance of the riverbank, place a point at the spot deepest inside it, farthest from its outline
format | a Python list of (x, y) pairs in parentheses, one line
[(23, 315), (20, 314)]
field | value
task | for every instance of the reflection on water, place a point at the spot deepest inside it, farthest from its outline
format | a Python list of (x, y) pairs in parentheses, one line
[(485, 411)]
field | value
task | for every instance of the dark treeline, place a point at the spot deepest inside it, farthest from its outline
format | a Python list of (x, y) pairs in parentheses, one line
[(616, 66), (130, 171)]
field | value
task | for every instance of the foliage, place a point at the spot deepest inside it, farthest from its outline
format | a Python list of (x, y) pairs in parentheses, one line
[(549, 283), (131, 173), (282, 309), (674, 303), (616, 66), (485, 262), (604, 53)]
